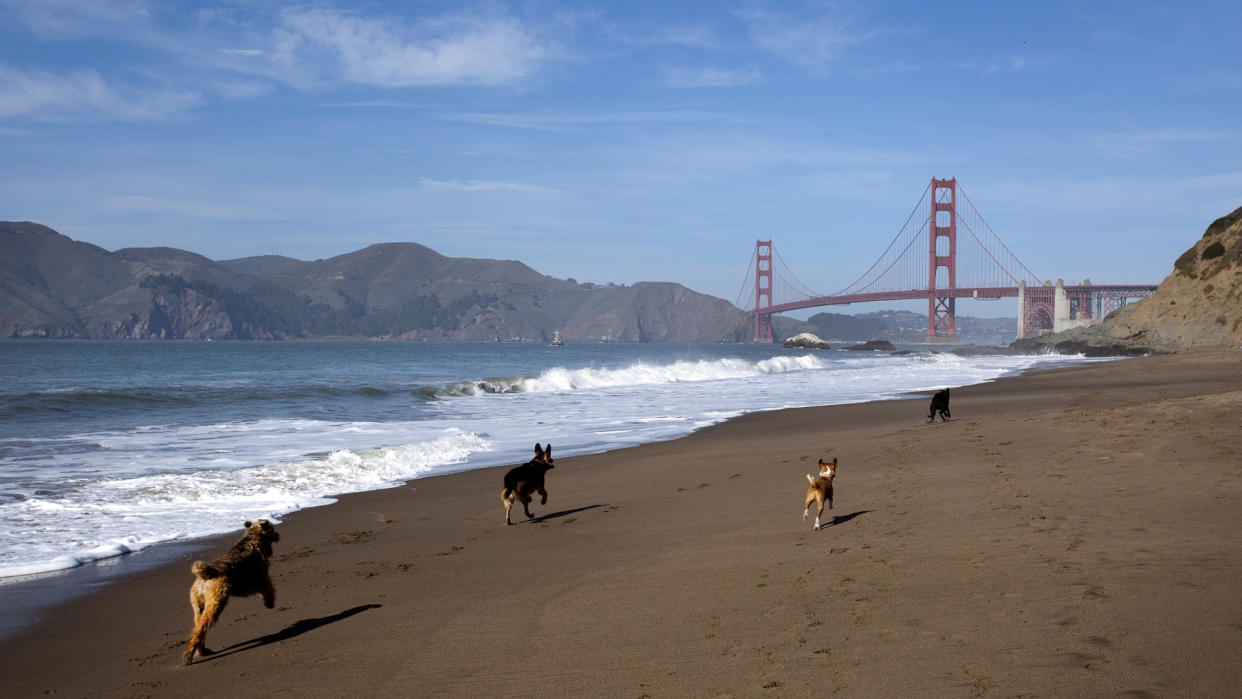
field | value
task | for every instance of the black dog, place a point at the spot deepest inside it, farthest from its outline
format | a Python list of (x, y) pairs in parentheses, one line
[(940, 405), (523, 480)]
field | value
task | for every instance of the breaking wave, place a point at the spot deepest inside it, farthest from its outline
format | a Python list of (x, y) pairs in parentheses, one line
[(637, 374)]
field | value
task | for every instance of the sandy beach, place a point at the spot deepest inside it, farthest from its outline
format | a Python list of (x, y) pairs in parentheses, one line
[(1069, 533)]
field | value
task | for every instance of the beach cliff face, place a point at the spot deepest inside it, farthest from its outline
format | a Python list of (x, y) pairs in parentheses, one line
[(1198, 305)]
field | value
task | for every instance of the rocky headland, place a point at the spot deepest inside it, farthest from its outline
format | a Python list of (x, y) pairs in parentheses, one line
[(1198, 305)]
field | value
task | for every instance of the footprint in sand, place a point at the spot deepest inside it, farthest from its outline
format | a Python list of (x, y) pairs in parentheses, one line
[(1094, 592)]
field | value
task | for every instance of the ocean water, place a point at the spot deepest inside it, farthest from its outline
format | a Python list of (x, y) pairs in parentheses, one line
[(107, 447)]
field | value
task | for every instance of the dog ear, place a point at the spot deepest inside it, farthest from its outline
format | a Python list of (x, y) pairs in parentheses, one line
[(247, 524), (538, 450), (547, 453)]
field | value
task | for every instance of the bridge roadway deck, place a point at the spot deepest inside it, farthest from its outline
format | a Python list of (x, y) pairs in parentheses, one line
[(1112, 290)]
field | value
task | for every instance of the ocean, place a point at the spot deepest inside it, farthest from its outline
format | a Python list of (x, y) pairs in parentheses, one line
[(107, 447)]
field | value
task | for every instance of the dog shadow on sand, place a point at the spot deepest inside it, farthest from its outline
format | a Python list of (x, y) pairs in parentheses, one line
[(562, 513), (842, 519), (297, 628)]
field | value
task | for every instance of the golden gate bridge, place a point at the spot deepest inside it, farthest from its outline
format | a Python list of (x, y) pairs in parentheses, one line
[(945, 251)]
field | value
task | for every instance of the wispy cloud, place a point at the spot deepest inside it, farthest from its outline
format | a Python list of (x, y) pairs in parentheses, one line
[(242, 52), (480, 186), (69, 19), (711, 77), (86, 94), (374, 104), (702, 37), (1147, 142), (215, 209), (492, 49), (811, 43), (566, 121), (1138, 192), (1013, 64)]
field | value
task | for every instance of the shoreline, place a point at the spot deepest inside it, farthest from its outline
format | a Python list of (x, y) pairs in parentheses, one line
[(24, 598), (981, 550), (198, 449)]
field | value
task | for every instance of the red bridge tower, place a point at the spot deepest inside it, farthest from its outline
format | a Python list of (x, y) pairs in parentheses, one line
[(763, 290), (942, 254)]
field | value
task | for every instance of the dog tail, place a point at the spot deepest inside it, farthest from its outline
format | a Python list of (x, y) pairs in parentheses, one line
[(204, 571), (810, 478)]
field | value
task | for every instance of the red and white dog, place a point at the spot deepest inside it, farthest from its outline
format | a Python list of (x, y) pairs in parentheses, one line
[(820, 489)]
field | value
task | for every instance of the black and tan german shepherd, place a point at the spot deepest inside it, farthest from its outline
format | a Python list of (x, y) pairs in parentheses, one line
[(939, 405), (523, 480)]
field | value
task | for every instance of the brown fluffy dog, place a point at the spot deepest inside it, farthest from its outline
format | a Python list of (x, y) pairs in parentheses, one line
[(240, 572), (523, 480), (820, 489)]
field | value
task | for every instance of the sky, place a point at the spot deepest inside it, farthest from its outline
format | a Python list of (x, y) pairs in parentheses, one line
[(625, 141)]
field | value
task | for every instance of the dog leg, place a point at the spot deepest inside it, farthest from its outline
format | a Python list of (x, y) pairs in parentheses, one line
[(543, 496), (526, 505), (269, 594), (213, 606), (506, 497), (810, 498), (196, 607), (829, 494)]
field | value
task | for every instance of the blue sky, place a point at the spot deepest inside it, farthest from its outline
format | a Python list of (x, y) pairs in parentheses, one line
[(625, 141)]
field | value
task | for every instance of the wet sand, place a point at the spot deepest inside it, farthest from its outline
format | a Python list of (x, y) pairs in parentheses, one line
[(1069, 533)]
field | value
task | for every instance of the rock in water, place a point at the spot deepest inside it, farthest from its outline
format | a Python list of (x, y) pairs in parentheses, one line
[(806, 341), (873, 346)]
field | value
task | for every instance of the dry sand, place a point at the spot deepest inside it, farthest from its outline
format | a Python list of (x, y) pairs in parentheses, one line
[(1068, 533)]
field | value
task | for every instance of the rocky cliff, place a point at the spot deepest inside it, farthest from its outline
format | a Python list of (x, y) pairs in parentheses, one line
[(53, 286), (1198, 305)]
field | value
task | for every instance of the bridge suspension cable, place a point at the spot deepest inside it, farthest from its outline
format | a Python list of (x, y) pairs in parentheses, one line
[(745, 296), (790, 279), (857, 286), (1029, 277)]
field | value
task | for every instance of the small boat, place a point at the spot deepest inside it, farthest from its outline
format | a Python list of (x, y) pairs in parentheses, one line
[(556, 339)]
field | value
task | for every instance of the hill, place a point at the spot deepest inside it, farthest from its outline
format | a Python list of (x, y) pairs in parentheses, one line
[(901, 327), (1198, 305), (53, 286)]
